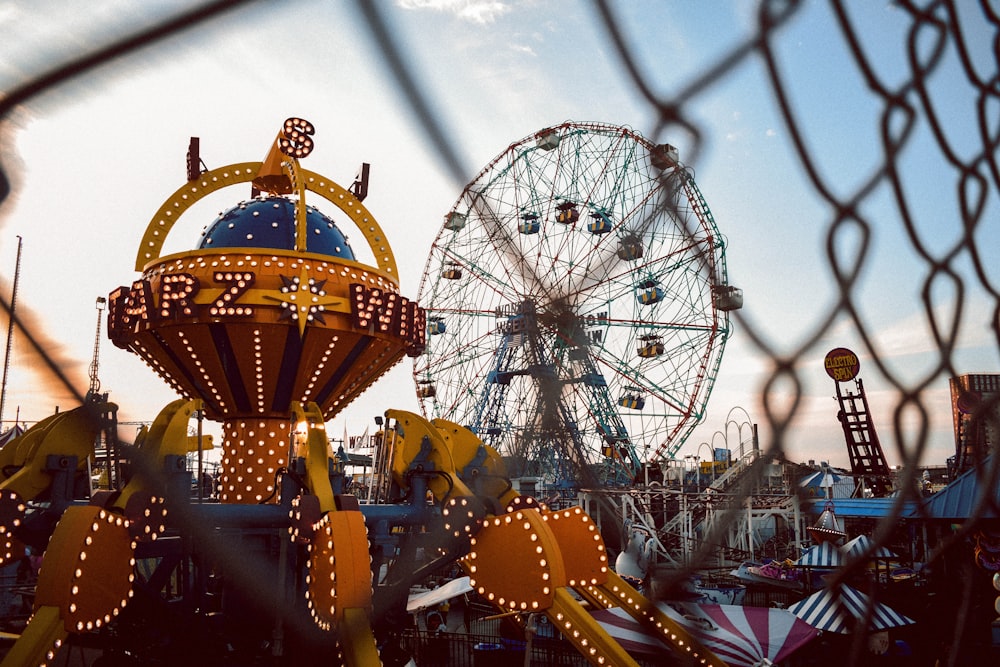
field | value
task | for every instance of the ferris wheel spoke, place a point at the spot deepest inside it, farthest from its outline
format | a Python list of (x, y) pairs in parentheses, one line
[(653, 385)]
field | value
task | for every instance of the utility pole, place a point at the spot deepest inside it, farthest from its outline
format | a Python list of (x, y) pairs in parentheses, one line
[(10, 330)]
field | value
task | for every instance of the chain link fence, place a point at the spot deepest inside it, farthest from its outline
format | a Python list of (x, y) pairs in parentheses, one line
[(955, 253)]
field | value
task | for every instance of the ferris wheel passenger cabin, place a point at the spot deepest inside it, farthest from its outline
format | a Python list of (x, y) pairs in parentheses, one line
[(599, 223), (632, 399), (455, 221), (435, 325), (649, 292), (547, 139), (529, 224), (651, 345), (664, 156), (727, 297), (566, 213), (630, 248), (451, 271)]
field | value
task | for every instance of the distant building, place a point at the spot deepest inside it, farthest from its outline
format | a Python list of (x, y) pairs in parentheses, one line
[(975, 409)]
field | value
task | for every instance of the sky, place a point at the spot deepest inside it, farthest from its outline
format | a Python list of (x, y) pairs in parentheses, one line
[(92, 159)]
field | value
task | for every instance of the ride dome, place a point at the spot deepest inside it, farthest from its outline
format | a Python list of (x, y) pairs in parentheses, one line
[(269, 222), (271, 315)]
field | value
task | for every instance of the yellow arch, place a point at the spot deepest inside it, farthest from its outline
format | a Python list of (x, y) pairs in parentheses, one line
[(211, 181)]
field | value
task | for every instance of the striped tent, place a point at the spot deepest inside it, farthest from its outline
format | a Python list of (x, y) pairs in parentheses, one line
[(863, 544), (824, 554), (13, 432), (740, 636), (841, 609)]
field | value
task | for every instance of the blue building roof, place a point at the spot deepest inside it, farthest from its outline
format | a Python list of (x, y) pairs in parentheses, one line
[(869, 508), (956, 502), (961, 499)]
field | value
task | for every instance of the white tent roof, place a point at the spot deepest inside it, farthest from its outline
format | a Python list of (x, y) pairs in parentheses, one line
[(862, 544)]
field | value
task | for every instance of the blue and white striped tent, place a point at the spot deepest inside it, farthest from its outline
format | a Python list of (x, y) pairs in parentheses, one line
[(827, 483), (824, 554), (863, 544), (842, 608)]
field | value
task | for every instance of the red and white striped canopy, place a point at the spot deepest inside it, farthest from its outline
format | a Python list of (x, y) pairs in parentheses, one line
[(741, 636)]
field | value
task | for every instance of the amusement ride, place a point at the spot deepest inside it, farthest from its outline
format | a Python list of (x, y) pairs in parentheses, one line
[(271, 326), (578, 306)]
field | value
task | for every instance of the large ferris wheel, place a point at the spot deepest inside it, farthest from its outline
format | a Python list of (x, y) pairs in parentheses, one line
[(578, 305)]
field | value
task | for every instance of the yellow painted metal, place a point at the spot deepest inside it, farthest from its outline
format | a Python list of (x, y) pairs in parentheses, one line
[(525, 561), (465, 446), (650, 616), (272, 176), (301, 229), (15, 451), (358, 640), (211, 181), (44, 633), (167, 436), (87, 568), (70, 433), (279, 175), (315, 451), (577, 535), (589, 638), (524, 538), (463, 443), (411, 429), (340, 577), (353, 562), (207, 444)]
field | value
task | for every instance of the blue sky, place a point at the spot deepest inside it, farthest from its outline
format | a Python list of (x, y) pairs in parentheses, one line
[(93, 159)]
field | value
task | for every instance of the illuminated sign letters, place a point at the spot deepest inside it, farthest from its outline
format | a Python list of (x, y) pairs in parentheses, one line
[(175, 296), (377, 310)]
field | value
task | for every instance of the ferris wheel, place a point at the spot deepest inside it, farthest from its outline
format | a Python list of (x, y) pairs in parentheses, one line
[(577, 305)]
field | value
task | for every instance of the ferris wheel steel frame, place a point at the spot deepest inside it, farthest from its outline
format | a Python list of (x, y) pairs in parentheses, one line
[(581, 264)]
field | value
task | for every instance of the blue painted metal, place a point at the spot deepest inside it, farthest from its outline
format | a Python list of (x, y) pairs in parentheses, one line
[(552, 449)]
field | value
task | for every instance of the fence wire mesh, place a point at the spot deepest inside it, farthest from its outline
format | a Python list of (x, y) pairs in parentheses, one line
[(957, 252)]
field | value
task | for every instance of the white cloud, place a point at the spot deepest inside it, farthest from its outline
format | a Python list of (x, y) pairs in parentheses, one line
[(475, 11)]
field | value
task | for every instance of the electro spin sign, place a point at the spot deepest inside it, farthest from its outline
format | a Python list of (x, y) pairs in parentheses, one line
[(842, 364)]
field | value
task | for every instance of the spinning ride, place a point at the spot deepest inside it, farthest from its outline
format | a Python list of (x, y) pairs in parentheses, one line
[(271, 308), (578, 305)]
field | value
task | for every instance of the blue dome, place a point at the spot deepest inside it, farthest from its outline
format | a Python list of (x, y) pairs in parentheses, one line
[(269, 222)]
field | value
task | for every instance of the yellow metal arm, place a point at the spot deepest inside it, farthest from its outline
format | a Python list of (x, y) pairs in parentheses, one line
[(70, 433), (311, 429), (167, 436), (415, 440), (525, 558), (40, 640)]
